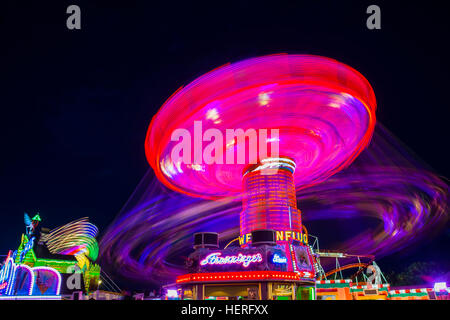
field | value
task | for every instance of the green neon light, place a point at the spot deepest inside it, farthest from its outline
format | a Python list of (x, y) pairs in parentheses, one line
[(415, 294), (53, 261), (30, 256)]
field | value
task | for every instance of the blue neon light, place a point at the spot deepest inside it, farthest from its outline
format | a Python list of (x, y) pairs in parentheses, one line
[(277, 259)]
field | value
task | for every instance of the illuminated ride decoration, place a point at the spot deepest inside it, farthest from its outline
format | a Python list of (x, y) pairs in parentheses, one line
[(31, 223), (22, 280), (75, 238), (45, 258)]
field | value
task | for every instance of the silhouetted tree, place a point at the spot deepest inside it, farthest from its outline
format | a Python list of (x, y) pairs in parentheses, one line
[(419, 273)]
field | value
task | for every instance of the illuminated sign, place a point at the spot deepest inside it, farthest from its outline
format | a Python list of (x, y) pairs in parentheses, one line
[(440, 286), (172, 293), (277, 259), (216, 259), (303, 260), (283, 235), (282, 289)]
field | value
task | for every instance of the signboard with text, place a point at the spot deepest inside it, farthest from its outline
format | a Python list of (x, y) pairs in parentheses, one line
[(237, 259)]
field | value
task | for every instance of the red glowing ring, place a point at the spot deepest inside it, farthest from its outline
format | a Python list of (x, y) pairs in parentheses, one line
[(324, 110)]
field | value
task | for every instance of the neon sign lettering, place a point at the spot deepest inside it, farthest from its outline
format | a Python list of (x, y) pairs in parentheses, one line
[(283, 235), (277, 259), (245, 260)]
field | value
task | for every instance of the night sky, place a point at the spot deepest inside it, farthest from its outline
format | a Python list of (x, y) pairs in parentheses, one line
[(76, 104)]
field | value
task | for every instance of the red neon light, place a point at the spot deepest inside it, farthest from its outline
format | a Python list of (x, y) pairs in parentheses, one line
[(325, 111), (245, 275)]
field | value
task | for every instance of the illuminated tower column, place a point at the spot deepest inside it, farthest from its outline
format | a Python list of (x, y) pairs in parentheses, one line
[(269, 198)]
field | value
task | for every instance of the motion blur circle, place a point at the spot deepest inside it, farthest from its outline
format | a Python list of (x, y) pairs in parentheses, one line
[(324, 111)]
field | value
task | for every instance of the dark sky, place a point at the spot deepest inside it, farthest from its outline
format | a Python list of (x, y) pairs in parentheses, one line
[(75, 104)]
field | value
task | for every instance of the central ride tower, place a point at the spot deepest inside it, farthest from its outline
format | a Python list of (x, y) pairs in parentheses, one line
[(270, 203), (269, 200)]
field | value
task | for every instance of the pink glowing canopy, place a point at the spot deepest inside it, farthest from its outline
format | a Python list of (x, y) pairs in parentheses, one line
[(324, 111)]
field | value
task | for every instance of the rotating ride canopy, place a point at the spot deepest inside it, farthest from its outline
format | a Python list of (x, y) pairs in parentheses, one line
[(324, 110)]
